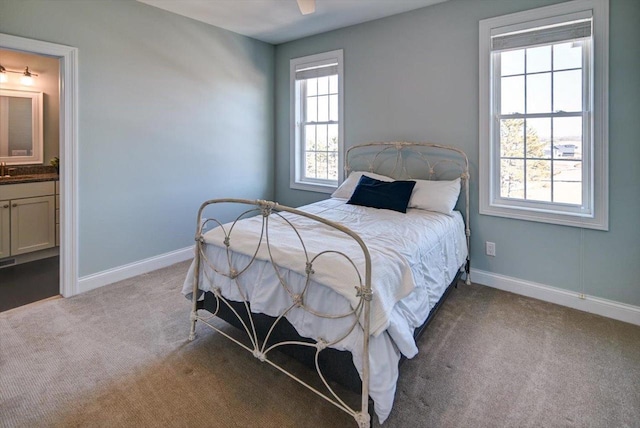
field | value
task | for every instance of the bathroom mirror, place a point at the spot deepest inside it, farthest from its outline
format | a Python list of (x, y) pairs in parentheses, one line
[(20, 127)]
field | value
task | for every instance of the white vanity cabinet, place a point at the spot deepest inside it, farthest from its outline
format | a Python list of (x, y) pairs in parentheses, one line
[(27, 217)]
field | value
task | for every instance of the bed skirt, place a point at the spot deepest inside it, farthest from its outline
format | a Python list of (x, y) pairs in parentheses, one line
[(335, 364)]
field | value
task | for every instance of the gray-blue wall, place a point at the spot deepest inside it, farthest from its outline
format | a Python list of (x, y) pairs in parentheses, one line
[(415, 77), (171, 112)]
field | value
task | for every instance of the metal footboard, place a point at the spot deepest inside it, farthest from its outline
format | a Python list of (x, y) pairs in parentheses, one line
[(261, 347)]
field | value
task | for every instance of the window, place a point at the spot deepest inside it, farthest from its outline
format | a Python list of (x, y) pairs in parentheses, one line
[(543, 114), (316, 116)]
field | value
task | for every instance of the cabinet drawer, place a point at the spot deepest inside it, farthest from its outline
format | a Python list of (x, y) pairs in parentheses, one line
[(27, 190)]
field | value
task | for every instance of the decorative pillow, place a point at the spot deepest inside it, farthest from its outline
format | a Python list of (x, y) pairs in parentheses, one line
[(382, 194), (349, 185), (440, 196)]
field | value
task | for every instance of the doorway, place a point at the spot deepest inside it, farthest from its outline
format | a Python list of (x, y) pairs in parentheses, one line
[(66, 57), (29, 190)]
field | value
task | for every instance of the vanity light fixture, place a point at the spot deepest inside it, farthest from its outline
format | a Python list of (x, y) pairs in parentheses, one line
[(26, 79)]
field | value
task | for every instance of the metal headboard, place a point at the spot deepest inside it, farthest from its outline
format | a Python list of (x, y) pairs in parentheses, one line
[(414, 160)]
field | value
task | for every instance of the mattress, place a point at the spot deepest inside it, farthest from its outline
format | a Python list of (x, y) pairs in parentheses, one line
[(428, 249)]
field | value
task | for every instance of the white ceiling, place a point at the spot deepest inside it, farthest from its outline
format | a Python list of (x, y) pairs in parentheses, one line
[(279, 21)]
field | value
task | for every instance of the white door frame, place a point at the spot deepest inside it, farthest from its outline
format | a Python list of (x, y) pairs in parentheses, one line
[(68, 57)]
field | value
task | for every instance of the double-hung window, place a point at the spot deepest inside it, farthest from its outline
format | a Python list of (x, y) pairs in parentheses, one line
[(543, 133), (316, 116)]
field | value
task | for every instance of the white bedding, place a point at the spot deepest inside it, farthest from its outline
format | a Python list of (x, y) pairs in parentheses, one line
[(408, 277)]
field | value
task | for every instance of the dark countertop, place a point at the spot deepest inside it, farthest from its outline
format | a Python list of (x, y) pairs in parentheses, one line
[(29, 178)]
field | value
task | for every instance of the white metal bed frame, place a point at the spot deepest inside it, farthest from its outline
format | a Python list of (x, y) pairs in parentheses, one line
[(398, 152)]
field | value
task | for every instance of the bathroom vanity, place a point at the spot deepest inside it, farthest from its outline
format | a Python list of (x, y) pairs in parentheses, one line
[(29, 217)]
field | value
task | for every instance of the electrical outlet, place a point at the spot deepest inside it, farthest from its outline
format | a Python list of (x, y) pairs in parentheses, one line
[(490, 248)]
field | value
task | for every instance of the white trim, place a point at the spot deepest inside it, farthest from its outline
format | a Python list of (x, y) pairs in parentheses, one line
[(599, 181), (37, 133), (320, 188), (294, 119), (572, 299), (120, 273), (68, 151), (552, 21)]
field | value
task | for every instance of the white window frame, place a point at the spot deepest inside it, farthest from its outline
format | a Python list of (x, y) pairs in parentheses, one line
[(594, 212), (297, 180)]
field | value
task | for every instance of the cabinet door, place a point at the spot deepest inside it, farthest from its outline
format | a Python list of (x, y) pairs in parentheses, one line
[(32, 224), (5, 224)]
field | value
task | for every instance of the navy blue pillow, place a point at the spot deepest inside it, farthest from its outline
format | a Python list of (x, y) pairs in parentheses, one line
[(381, 194)]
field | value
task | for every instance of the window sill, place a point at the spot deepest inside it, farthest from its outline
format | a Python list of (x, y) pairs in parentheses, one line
[(313, 187), (573, 220)]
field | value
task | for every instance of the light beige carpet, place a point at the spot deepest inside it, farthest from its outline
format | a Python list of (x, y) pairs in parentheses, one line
[(119, 357)]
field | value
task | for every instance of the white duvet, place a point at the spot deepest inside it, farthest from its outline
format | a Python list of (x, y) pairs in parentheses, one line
[(414, 257)]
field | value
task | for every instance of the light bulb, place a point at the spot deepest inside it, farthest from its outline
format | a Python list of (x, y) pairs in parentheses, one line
[(26, 80)]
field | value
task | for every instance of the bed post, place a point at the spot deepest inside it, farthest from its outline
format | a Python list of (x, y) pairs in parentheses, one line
[(364, 418), (193, 317), (467, 229)]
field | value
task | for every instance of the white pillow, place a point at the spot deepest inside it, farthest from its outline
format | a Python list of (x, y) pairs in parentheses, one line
[(349, 185), (440, 196)]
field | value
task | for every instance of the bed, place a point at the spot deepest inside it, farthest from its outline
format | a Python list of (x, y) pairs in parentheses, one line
[(340, 285)]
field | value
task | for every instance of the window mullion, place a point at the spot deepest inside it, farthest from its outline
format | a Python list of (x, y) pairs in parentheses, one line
[(541, 115), (553, 105), (302, 148), (524, 130)]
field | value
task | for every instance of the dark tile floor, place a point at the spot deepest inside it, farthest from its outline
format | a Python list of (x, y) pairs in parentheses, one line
[(29, 282)]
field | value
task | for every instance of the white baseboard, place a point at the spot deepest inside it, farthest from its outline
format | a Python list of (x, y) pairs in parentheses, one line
[(96, 280), (571, 299)]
